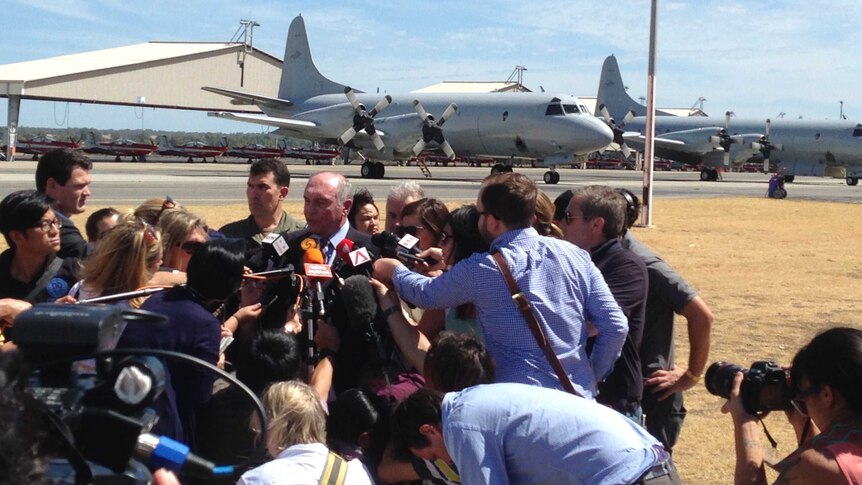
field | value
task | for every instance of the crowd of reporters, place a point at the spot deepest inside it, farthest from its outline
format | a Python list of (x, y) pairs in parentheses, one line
[(340, 328)]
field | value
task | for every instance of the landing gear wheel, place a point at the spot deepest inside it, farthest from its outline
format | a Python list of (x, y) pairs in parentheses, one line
[(509, 168), (704, 175), (117, 159), (379, 170), (852, 181), (367, 170), (789, 179), (142, 159), (308, 162), (190, 160), (249, 161), (551, 177), (498, 168)]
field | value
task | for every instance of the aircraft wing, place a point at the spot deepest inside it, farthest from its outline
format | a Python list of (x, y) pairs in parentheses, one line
[(638, 139), (241, 98), (287, 123)]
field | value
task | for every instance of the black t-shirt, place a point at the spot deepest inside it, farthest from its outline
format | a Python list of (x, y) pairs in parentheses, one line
[(57, 286), (72, 244), (626, 276)]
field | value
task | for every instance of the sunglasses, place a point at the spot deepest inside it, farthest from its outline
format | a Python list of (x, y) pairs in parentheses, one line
[(191, 246), (570, 217), (150, 236), (412, 230), (798, 402), (167, 204)]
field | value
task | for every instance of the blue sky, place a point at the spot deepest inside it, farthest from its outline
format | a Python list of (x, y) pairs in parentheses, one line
[(757, 59)]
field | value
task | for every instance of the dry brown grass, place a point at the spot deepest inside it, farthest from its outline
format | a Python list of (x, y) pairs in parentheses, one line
[(773, 272)]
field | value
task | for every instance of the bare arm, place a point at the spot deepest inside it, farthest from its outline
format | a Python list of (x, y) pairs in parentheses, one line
[(411, 342), (699, 318)]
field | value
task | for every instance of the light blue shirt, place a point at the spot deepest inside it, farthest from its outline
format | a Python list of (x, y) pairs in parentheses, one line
[(516, 434), (565, 289)]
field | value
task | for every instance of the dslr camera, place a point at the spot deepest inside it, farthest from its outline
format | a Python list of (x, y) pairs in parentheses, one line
[(765, 386)]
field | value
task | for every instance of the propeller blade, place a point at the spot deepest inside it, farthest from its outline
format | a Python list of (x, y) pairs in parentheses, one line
[(347, 135), (626, 150), (420, 110), (348, 91), (418, 147), (378, 142), (381, 105), (765, 165), (726, 158), (447, 149), (450, 110), (628, 117), (605, 115)]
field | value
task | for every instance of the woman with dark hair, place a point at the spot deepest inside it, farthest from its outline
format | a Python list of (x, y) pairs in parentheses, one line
[(461, 239), (364, 215), (214, 273), (424, 219), (356, 427), (826, 383)]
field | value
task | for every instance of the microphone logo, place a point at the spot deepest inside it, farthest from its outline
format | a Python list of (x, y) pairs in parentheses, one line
[(308, 243), (358, 257)]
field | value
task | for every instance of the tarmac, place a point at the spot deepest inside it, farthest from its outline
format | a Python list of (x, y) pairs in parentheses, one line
[(127, 183)]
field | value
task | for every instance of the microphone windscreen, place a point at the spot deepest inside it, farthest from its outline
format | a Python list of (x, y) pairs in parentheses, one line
[(360, 301), (313, 256)]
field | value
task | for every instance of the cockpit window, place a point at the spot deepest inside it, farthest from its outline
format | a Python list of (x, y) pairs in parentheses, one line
[(554, 109), (570, 108), (584, 110)]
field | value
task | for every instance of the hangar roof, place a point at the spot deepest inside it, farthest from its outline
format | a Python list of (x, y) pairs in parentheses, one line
[(153, 74)]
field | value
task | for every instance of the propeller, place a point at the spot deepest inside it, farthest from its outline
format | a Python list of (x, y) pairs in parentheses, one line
[(433, 131), (364, 120), (617, 128), (765, 146)]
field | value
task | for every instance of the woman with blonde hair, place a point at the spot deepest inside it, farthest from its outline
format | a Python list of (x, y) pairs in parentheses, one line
[(182, 233), (296, 437), (125, 260), (543, 221)]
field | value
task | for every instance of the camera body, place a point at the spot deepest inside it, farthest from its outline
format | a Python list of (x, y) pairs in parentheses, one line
[(765, 386)]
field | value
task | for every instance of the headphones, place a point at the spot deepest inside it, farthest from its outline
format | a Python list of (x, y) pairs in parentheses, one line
[(632, 206)]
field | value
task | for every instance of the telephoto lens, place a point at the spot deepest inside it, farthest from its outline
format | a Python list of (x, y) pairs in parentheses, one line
[(719, 378)]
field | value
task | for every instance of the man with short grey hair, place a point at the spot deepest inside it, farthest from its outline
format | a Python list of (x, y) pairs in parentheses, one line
[(399, 196), (594, 221)]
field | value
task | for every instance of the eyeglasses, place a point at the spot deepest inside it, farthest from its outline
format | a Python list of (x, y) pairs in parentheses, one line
[(570, 217), (412, 230), (798, 402), (167, 204), (45, 225), (191, 246)]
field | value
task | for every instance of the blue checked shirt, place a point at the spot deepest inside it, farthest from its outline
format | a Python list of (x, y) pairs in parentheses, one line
[(565, 289)]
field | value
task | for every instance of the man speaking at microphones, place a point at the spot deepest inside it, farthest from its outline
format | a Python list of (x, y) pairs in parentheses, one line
[(328, 198)]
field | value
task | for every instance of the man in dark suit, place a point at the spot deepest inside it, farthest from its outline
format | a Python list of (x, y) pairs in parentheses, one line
[(328, 198)]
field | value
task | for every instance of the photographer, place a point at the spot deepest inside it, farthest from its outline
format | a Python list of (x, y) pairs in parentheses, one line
[(826, 385)]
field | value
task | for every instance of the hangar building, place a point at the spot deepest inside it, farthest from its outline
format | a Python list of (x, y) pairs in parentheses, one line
[(151, 74)]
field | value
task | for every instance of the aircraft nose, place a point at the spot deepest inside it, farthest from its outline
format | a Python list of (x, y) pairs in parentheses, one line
[(595, 135)]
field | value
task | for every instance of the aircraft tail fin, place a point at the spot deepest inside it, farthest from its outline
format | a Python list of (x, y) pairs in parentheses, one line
[(282, 143), (163, 142), (612, 92), (224, 142), (300, 78), (90, 140)]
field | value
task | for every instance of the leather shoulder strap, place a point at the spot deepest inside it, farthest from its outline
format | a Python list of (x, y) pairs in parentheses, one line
[(527, 311)]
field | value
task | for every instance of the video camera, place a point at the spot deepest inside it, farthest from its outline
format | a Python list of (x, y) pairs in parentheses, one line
[(99, 399), (765, 386)]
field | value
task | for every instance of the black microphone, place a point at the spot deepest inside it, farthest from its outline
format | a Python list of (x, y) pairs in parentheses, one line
[(394, 247), (361, 303), (273, 247)]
